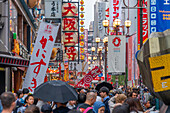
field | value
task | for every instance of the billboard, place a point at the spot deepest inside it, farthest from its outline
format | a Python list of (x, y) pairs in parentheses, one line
[(159, 15)]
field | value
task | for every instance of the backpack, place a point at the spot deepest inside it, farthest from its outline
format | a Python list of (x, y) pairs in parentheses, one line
[(84, 110)]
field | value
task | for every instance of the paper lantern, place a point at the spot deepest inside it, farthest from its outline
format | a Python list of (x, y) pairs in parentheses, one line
[(81, 36), (82, 57), (81, 22), (81, 50), (69, 9), (82, 8), (82, 29), (82, 43), (82, 15), (81, 2), (71, 53), (70, 24), (70, 38)]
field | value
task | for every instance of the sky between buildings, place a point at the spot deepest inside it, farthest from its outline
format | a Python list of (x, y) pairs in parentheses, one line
[(89, 12)]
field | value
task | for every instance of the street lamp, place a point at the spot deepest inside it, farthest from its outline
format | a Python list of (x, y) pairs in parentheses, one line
[(105, 24), (89, 58), (105, 41), (117, 23), (99, 51)]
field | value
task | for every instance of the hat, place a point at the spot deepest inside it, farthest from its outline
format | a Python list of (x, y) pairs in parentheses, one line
[(46, 107), (97, 105)]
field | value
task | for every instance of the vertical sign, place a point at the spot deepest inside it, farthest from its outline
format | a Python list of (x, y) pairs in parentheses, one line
[(114, 11), (53, 8), (47, 34), (130, 58), (145, 24), (116, 54), (159, 15)]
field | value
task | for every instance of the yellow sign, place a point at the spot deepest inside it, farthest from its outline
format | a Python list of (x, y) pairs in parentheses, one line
[(82, 15), (81, 29), (81, 2), (81, 22), (82, 57), (81, 50), (81, 36), (160, 71), (81, 43), (82, 8)]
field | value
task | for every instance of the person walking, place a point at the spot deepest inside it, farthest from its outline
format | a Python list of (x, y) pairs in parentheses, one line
[(98, 107), (104, 92), (8, 102), (86, 107)]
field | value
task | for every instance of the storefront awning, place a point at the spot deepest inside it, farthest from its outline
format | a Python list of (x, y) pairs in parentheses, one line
[(7, 60)]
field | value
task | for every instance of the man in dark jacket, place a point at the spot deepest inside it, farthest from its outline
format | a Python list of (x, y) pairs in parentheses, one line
[(61, 108), (104, 92)]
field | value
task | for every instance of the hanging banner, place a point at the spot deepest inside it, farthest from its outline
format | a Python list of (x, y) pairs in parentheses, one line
[(159, 15), (145, 24), (47, 34), (114, 11), (88, 78), (116, 54)]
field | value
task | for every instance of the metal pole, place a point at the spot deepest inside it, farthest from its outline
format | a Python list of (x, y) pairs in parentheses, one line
[(141, 30), (105, 61)]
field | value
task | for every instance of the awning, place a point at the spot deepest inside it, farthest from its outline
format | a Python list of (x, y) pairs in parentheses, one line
[(7, 61)]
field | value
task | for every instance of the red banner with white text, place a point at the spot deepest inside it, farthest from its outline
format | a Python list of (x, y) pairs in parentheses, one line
[(88, 78)]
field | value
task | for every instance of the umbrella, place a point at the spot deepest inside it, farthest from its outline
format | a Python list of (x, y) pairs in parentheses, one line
[(57, 91), (108, 85)]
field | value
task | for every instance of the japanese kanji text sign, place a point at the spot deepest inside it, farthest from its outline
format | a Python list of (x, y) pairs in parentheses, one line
[(41, 55), (160, 72), (53, 8), (87, 79)]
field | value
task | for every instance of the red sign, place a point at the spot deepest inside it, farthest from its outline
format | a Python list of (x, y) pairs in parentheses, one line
[(116, 41), (88, 78), (145, 24)]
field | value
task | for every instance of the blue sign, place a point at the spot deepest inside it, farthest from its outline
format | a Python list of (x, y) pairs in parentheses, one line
[(100, 75), (159, 15)]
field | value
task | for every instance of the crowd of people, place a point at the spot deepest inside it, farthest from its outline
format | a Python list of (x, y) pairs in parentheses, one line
[(89, 101)]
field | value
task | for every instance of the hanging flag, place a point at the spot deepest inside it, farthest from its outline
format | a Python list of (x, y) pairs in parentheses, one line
[(88, 78), (40, 57)]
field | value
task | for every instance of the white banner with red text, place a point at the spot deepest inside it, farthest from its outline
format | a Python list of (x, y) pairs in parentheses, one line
[(115, 10), (40, 57), (116, 54)]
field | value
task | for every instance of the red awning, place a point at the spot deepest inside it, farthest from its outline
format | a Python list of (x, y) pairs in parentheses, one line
[(12, 61)]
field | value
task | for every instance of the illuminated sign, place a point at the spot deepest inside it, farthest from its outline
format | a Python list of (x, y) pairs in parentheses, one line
[(159, 15)]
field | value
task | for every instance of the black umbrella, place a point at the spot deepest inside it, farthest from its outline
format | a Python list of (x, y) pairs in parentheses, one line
[(108, 85), (57, 91)]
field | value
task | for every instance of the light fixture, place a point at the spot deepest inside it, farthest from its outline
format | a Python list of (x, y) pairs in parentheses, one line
[(100, 48), (127, 23), (105, 23), (97, 39), (93, 49), (89, 62), (117, 22), (105, 40), (89, 68), (89, 58), (94, 58)]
